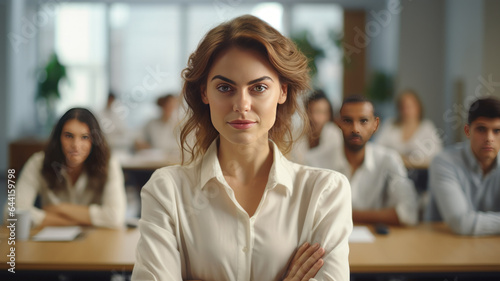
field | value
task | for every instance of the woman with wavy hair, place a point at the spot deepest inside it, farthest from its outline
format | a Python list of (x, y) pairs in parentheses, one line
[(78, 182), (238, 209)]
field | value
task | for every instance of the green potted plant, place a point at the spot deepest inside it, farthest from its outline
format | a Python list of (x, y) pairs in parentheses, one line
[(312, 52), (48, 90), (380, 91)]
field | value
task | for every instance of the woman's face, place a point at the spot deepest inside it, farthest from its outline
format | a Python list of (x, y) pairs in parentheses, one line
[(409, 108), (76, 142), (243, 91), (319, 113)]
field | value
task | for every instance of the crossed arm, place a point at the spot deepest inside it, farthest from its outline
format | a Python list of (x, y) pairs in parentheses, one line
[(306, 262), (66, 214)]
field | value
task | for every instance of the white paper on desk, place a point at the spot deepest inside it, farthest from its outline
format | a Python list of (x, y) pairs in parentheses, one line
[(57, 233), (361, 234)]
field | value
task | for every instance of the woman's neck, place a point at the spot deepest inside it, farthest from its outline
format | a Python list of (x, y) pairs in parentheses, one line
[(245, 163), (74, 173)]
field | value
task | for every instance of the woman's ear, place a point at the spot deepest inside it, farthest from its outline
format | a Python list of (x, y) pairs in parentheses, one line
[(283, 93), (204, 97)]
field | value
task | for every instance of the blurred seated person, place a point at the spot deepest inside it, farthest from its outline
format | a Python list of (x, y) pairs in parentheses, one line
[(412, 136), (380, 187), (113, 125), (163, 132), (465, 178), (77, 180), (316, 148)]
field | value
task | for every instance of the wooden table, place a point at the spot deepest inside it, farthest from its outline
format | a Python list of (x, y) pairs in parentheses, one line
[(97, 250), (425, 248)]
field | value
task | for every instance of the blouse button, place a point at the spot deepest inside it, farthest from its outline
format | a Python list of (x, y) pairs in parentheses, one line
[(245, 249)]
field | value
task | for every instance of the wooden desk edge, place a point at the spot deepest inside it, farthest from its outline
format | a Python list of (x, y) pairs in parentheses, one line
[(69, 267), (424, 268)]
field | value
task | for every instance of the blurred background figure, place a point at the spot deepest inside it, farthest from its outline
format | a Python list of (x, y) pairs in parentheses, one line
[(113, 125), (316, 148), (414, 137), (380, 188), (78, 182), (163, 133)]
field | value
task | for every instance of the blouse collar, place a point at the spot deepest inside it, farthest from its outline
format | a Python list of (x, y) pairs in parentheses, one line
[(281, 173)]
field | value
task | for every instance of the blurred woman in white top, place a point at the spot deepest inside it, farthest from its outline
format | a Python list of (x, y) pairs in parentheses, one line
[(316, 148), (414, 137), (240, 210), (162, 134), (79, 183)]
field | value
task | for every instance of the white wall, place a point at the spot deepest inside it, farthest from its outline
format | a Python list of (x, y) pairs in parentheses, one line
[(421, 54), (463, 64), (3, 84), (22, 64), (382, 53)]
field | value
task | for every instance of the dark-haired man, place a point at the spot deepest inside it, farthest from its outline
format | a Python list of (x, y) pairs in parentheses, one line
[(381, 190), (465, 179)]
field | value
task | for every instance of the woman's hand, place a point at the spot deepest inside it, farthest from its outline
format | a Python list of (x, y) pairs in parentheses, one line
[(306, 263)]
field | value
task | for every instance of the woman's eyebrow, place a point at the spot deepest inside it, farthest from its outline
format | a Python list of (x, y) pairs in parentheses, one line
[(260, 79), (234, 83), (223, 79)]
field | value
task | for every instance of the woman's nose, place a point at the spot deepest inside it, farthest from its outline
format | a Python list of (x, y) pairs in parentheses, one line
[(242, 102)]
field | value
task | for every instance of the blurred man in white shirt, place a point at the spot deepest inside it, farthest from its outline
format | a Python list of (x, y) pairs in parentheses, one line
[(381, 189)]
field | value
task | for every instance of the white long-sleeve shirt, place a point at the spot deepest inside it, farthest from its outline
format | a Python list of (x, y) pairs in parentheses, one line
[(107, 211), (380, 182), (192, 226)]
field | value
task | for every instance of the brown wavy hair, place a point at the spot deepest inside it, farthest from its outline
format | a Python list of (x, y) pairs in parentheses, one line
[(247, 32), (96, 164)]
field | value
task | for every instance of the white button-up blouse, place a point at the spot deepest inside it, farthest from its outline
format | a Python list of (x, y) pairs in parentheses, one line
[(192, 226)]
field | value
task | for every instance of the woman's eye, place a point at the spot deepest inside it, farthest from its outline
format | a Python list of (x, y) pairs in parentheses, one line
[(260, 88), (85, 137), (223, 88)]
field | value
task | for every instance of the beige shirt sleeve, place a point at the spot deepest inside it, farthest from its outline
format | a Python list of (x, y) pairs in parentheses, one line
[(111, 213), (332, 228), (157, 250), (28, 186)]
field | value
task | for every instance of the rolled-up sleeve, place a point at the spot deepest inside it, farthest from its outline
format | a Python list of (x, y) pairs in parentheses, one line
[(332, 227), (111, 212), (157, 254), (453, 204)]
